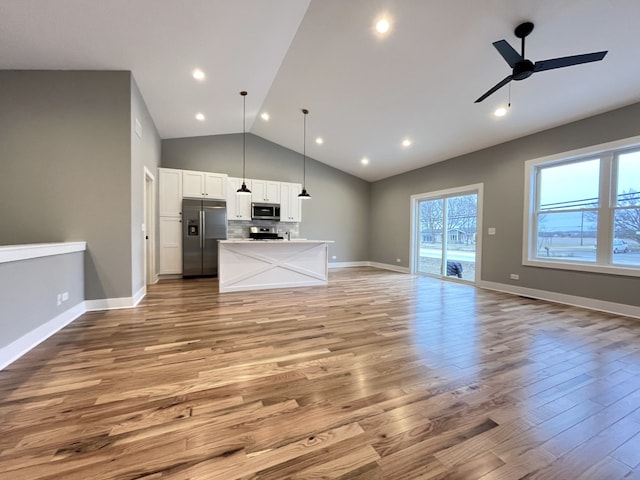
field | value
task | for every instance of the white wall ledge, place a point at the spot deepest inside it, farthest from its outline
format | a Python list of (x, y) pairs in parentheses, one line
[(14, 253)]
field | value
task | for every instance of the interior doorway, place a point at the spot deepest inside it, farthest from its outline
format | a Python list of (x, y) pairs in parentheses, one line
[(149, 227), (446, 233)]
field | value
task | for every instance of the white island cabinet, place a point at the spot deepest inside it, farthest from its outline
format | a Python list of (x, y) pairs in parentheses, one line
[(262, 264)]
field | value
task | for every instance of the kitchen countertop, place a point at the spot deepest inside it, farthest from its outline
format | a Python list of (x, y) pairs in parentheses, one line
[(293, 240)]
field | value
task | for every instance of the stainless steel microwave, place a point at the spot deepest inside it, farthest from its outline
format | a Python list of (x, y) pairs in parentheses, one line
[(265, 211)]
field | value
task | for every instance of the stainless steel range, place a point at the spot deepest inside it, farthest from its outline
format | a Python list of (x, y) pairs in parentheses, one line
[(264, 233)]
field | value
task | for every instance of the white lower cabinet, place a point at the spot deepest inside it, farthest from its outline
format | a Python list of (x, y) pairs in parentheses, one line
[(290, 203), (170, 245)]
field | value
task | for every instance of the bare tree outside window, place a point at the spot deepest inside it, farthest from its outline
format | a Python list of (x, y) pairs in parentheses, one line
[(627, 220)]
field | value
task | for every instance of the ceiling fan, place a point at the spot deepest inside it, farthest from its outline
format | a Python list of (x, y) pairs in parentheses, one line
[(523, 68)]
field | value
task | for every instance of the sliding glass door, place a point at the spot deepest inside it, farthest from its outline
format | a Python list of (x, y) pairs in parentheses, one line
[(445, 240)]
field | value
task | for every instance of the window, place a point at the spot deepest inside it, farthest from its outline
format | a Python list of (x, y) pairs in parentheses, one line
[(583, 210)]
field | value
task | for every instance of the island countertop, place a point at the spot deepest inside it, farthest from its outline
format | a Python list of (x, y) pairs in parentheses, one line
[(293, 240), (246, 264)]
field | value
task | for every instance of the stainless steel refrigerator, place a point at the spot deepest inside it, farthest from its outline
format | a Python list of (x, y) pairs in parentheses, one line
[(204, 223)]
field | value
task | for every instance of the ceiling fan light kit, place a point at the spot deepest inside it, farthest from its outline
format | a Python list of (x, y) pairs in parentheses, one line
[(523, 68)]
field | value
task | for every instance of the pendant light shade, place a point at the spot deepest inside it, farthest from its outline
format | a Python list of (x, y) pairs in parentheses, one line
[(304, 194), (243, 190)]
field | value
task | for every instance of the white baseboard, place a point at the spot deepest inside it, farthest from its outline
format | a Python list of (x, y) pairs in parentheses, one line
[(383, 266), (19, 347), (583, 302), (109, 303), (386, 266), (572, 300), (169, 276), (348, 264), (140, 294), (116, 303)]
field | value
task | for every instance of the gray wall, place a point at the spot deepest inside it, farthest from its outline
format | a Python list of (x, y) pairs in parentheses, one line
[(145, 152), (339, 207), (65, 168), (29, 289), (501, 169)]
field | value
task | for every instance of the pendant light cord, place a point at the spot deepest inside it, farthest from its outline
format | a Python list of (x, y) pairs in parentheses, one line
[(304, 194), (304, 150), (244, 134)]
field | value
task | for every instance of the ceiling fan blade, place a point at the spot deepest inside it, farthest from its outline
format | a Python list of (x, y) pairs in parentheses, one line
[(568, 61), (495, 88), (508, 53)]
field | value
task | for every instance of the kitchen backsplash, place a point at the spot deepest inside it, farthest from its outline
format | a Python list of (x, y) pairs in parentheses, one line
[(240, 229)]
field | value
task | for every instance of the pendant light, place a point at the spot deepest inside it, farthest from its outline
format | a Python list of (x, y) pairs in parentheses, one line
[(304, 194), (244, 190)]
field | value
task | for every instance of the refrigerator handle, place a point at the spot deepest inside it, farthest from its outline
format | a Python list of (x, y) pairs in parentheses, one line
[(202, 228)]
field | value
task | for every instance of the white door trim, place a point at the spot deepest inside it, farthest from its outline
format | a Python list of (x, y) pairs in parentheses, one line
[(149, 227)]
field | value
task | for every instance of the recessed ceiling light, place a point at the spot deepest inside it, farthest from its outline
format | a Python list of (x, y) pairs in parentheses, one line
[(406, 142), (364, 161), (200, 116), (198, 74), (319, 141), (265, 116), (382, 25), (500, 112)]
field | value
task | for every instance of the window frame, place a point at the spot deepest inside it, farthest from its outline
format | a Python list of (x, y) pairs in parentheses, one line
[(607, 197)]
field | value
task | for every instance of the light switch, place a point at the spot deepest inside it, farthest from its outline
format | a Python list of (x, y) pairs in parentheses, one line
[(491, 231)]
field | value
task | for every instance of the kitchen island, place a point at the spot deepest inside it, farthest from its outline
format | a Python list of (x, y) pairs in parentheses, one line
[(262, 264)]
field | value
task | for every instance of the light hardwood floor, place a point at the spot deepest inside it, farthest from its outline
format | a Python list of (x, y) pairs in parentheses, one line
[(379, 375)]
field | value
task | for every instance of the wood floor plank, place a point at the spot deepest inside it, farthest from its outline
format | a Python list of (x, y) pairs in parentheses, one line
[(378, 375)]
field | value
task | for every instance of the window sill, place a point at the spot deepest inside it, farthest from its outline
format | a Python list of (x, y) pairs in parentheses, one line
[(584, 267)]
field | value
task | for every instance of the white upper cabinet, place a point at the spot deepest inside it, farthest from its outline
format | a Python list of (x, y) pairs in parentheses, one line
[(238, 206), (192, 184), (170, 192), (215, 185), (204, 185), (265, 191), (290, 203)]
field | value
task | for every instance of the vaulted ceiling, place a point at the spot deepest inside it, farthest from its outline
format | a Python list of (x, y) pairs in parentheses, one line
[(366, 91)]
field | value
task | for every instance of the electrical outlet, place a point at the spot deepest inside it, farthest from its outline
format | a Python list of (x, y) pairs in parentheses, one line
[(65, 296), (333, 257), (397, 260), (514, 276), (59, 299)]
